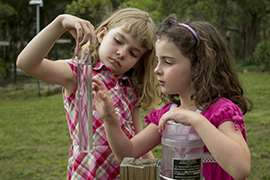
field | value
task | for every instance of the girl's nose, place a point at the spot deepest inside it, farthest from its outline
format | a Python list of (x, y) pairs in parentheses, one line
[(157, 70), (122, 53)]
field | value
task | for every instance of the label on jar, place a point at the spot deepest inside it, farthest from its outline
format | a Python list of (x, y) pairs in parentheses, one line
[(187, 169)]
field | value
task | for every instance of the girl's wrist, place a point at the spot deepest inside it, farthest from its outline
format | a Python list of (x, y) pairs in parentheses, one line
[(111, 120), (196, 120), (58, 23)]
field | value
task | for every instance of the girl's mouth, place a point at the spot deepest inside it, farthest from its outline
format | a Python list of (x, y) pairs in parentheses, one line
[(116, 62), (162, 83)]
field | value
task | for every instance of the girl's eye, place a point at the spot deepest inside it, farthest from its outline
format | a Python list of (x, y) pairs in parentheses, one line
[(117, 41), (133, 54), (168, 62), (157, 60)]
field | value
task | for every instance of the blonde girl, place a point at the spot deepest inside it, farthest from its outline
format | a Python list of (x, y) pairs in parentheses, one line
[(123, 59)]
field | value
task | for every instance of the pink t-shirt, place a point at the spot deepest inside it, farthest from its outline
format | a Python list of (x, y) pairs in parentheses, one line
[(100, 163), (220, 111)]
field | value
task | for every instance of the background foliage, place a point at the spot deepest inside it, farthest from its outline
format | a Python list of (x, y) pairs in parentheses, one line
[(33, 132), (244, 23)]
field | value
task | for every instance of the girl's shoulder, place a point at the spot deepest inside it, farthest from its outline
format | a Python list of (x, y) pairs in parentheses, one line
[(156, 114), (223, 110), (223, 104)]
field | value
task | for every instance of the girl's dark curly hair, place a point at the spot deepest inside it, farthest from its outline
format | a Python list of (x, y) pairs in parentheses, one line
[(212, 72)]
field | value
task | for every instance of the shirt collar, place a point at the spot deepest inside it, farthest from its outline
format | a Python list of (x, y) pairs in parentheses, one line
[(102, 67)]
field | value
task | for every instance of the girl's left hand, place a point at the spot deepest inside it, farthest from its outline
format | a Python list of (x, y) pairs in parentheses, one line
[(103, 102), (178, 115)]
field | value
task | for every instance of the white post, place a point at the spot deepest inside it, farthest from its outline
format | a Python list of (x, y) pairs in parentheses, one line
[(38, 3), (38, 29), (38, 19)]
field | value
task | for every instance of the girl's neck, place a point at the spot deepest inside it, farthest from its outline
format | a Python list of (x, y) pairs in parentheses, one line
[(188, 104)]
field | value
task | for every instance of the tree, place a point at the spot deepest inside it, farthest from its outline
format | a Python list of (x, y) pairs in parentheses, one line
[(18, 26), (250, 16), (239, 21), (244, 23), (15, 27), (151, 6), (6, 11), (92, 10)]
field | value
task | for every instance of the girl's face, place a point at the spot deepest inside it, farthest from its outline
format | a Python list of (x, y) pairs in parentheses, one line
[(173, 70), (119, 50)]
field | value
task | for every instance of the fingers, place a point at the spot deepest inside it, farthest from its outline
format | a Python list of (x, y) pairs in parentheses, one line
[(82, 30), (99, 96), (178, 115), (161, 124), (85, 34), (89, 34), (103, 102), (98, 82), (99, 89)]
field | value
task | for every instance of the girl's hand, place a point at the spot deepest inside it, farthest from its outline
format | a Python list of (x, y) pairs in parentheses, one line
[(103, 103), (82, 30), (178, 115)]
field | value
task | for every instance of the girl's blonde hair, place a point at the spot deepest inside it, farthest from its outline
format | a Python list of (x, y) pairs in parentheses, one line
[(138, 24)]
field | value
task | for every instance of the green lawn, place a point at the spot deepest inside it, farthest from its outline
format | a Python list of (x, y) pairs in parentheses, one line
[(34, 139), (34, 136)]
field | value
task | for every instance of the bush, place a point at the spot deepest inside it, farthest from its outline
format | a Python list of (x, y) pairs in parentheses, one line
[(260, 61), (262, 54), (254, 64)]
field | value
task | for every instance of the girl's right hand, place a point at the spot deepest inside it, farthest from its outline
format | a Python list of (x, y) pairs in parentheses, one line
[(82, 30), (32, 58), (179, 115)]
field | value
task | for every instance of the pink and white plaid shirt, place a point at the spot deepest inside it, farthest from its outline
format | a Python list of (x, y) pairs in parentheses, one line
[(101, 163)]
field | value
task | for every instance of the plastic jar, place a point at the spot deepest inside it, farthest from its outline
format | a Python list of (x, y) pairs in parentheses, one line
[(182, 150)]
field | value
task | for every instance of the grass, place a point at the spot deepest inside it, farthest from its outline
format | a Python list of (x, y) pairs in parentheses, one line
[(258, 124), (35, 141)]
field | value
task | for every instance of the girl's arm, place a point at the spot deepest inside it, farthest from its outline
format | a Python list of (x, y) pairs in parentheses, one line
[(227, 146), (32, 59), (122, 147), (137, 122)]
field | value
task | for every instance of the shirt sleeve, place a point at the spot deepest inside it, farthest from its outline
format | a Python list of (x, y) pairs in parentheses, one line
[(225, 110), (73, 65), (156, 114)]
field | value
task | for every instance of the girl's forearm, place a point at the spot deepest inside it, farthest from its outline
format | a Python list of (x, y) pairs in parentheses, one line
[(118, 141), (229, 150)]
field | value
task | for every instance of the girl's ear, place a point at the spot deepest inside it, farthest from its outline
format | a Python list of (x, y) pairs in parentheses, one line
[(101, 33)]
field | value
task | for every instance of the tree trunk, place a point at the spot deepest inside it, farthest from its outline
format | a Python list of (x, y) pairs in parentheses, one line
[(249, 36), (232, 39)]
